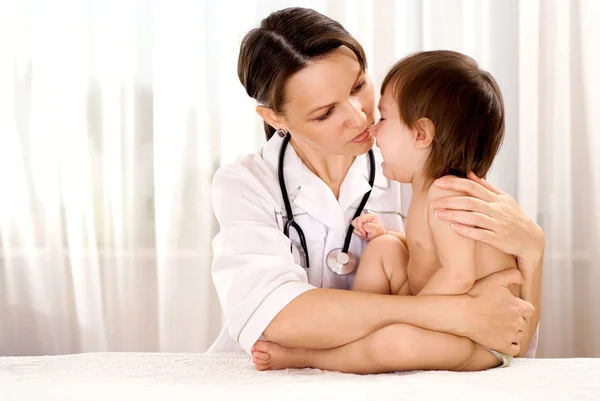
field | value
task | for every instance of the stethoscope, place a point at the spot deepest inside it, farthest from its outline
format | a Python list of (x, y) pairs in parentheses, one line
[(339, 260)]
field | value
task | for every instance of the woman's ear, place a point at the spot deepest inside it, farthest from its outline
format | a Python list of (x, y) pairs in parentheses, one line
[(424, 133), (271, 118)]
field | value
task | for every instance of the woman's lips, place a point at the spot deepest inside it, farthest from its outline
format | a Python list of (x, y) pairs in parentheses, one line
[(362, 137)]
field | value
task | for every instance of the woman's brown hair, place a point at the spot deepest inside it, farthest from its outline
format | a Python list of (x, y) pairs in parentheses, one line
[(284, 43), (463, 102)]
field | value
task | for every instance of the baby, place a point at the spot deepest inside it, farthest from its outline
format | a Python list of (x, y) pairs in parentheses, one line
[(440, 115)]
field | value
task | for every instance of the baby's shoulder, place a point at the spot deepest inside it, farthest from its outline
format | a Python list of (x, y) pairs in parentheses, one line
[(435, 192)]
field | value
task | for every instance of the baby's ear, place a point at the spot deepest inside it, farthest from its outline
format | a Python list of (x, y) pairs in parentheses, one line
[(424, 132)]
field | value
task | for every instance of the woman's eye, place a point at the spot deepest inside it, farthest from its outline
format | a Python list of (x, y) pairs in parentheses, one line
[(324, 116), (358, 87)]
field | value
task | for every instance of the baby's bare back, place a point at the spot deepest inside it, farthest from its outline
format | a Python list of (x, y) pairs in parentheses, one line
[(424, 260)]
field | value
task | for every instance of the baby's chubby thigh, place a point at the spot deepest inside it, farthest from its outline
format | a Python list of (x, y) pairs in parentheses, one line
[(385, 254)]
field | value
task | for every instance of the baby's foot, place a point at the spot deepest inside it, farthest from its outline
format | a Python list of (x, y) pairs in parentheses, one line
[(270, 356)]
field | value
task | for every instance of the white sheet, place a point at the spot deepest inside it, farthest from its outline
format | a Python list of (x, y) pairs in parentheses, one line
[(183, 377)]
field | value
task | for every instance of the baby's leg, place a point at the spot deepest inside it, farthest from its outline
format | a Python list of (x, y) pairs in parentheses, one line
[(382, 268), (397, 347)]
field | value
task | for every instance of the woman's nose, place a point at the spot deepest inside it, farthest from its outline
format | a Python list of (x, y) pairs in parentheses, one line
[(358, 117), (374, 130)]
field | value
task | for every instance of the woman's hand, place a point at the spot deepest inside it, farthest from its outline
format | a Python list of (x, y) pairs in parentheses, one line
[(491, 216), (497, 319)]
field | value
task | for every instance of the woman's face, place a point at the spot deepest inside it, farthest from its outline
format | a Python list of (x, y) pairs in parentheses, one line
[(331, 105)]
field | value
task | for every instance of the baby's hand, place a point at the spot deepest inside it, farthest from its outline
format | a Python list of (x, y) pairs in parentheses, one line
[(368, 226)]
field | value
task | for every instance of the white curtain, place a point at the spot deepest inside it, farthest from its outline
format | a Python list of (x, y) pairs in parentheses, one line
[(558, 173), (114, 116)]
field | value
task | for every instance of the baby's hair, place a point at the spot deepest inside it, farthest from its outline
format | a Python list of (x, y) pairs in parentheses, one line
[(463, 102)]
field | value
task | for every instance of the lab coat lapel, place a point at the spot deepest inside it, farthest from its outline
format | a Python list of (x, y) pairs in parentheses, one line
[(309, 193), (305, 190), (315, 198), (356, 183)]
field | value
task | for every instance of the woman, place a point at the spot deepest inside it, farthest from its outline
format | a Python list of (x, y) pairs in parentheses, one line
[(309, 77)]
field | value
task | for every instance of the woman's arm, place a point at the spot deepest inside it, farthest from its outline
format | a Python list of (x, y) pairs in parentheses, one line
[(492, 216), (263, 291), (531, 291), (323, 318)]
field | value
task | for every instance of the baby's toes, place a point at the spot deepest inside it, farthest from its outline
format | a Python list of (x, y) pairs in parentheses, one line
[(261, 356), (261, 360)]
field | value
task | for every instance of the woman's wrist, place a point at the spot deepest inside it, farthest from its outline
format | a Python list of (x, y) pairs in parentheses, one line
[(530, 266), (466, 328), (462, 316), (534, 251), (450, 314)]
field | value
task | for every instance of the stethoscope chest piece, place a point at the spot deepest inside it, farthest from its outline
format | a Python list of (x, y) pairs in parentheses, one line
[(341, 263)]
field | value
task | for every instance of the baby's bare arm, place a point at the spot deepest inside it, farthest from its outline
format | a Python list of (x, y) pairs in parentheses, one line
[(456, 254), (400, 236), (531, 291)]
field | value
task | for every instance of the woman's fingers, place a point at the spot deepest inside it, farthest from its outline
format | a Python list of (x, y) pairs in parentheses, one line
[(465, 185), (467, 203), (500, 242), (528, 310), (478, 234), (483, 183), (524, 326), (509, 277), (512, 349), (473, 219), (504, 278), (519, 337)]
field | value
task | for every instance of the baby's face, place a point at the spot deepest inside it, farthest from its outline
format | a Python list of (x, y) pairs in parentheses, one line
[(401, 159)]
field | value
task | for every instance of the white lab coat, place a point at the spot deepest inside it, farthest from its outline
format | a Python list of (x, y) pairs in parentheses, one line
[(255, 273)]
